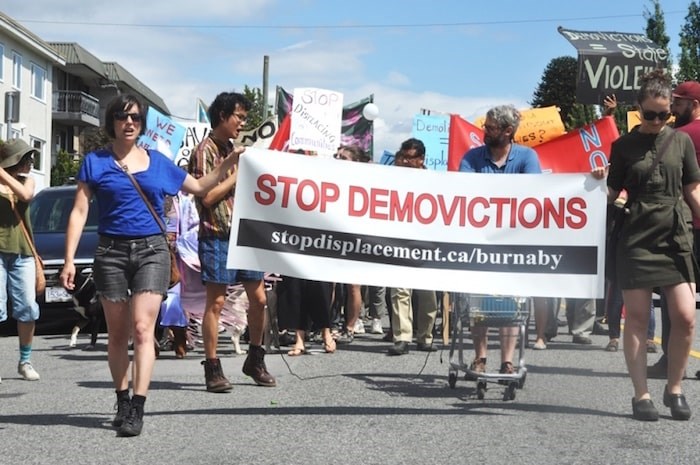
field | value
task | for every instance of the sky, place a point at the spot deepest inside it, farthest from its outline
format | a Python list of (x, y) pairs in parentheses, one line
[(451, 56)]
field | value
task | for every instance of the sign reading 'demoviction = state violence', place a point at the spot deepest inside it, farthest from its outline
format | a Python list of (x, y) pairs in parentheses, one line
[(339, 221), (612, 63), (317, 115)]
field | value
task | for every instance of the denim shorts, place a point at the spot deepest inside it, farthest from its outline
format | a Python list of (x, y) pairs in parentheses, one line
[(124, 267), (212, 257), (18, 279)]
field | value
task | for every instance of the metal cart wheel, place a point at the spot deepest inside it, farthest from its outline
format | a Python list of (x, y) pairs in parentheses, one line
[(480, 390), (452, 380)]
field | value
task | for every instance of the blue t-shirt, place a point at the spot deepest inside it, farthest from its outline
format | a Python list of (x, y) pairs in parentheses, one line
[(521, 159), (122, 209)]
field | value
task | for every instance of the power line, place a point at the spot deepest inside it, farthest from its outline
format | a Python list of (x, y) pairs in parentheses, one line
[(339, 26)]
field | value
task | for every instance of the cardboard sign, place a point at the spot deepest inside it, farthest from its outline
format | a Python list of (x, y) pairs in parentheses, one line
[(537, 126), (612, 63)]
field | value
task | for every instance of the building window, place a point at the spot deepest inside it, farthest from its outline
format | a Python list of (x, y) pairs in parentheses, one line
[(39, 145), (16, 70), (38, 82)]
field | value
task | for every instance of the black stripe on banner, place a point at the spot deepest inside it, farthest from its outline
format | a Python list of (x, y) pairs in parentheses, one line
[(511, 258)]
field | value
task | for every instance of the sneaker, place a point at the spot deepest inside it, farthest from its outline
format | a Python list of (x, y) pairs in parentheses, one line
[(122, 406), (359, 327), (133, 422), (27, 371), (376, 327)]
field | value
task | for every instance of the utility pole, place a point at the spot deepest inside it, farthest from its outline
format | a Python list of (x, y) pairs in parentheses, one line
[(266, 72)]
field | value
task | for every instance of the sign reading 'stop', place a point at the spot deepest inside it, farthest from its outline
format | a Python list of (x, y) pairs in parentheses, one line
[(612, 63)]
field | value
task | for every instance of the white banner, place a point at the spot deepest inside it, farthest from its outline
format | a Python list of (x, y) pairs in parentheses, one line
[(330, 220), (317, 116)]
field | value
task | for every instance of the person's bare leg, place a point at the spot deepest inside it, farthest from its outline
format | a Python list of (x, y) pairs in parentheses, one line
[(637, 303), (255, 290), (119, 323), (480, 341), (215, 298), (354, 306), (509, 339), (681, 311), (145, 308), (541, 312)]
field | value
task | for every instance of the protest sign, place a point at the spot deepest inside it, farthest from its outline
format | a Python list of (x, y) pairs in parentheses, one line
[(356, 129), (433, 131), (316, 118), (612, 63), (516, 234), (537, 126), (162, 133), (195, 133)]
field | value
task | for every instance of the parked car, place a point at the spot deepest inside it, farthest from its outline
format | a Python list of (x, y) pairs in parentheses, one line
[(49, 212)]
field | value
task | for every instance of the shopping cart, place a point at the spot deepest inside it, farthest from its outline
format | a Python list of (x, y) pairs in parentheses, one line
[(471, 311)]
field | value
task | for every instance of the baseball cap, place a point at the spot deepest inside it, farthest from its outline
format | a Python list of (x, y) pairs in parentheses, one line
[(689, 90)]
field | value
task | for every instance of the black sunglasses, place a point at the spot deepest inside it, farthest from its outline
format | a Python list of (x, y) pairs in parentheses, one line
[(123, 116), (649, 115)]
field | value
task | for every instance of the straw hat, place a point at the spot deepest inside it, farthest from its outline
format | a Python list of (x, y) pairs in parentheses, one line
[(11, 152)]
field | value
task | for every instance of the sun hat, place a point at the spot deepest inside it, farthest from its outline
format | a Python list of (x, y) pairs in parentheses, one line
[(12, 152)]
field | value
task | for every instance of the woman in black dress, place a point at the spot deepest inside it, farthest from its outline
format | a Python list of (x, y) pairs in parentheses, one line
[(655, 247)]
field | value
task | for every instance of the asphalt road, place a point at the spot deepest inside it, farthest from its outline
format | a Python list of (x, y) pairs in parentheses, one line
[(355, 406)]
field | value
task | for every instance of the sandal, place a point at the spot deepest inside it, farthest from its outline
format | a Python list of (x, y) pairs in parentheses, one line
[(612, 345), (296, 351), (329, 346)]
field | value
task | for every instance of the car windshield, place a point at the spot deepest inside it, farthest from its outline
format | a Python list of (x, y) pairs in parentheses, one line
[(51, 208)]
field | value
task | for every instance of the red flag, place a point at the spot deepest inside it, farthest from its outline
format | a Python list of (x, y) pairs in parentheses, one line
[(463, 136), (581, 150), (281, 140)]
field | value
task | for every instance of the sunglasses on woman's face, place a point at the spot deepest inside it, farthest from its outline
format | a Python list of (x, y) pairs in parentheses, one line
[(649, 115), (123, 116)]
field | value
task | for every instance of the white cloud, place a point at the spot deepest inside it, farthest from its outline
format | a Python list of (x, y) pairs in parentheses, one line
[(397, 79)]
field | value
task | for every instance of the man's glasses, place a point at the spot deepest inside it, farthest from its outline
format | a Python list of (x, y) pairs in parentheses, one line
[(491, 128), (123, 116), (340, 156), (241, 118), (649, 115)]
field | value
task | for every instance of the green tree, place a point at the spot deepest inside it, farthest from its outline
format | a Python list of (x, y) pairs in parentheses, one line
[(689, 58), (65, 169), (255, 115), (558, 87), (93, 139), (656, 29), (580, 115)]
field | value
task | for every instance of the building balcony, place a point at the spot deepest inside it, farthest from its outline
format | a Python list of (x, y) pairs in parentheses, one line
[(75, 108)]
